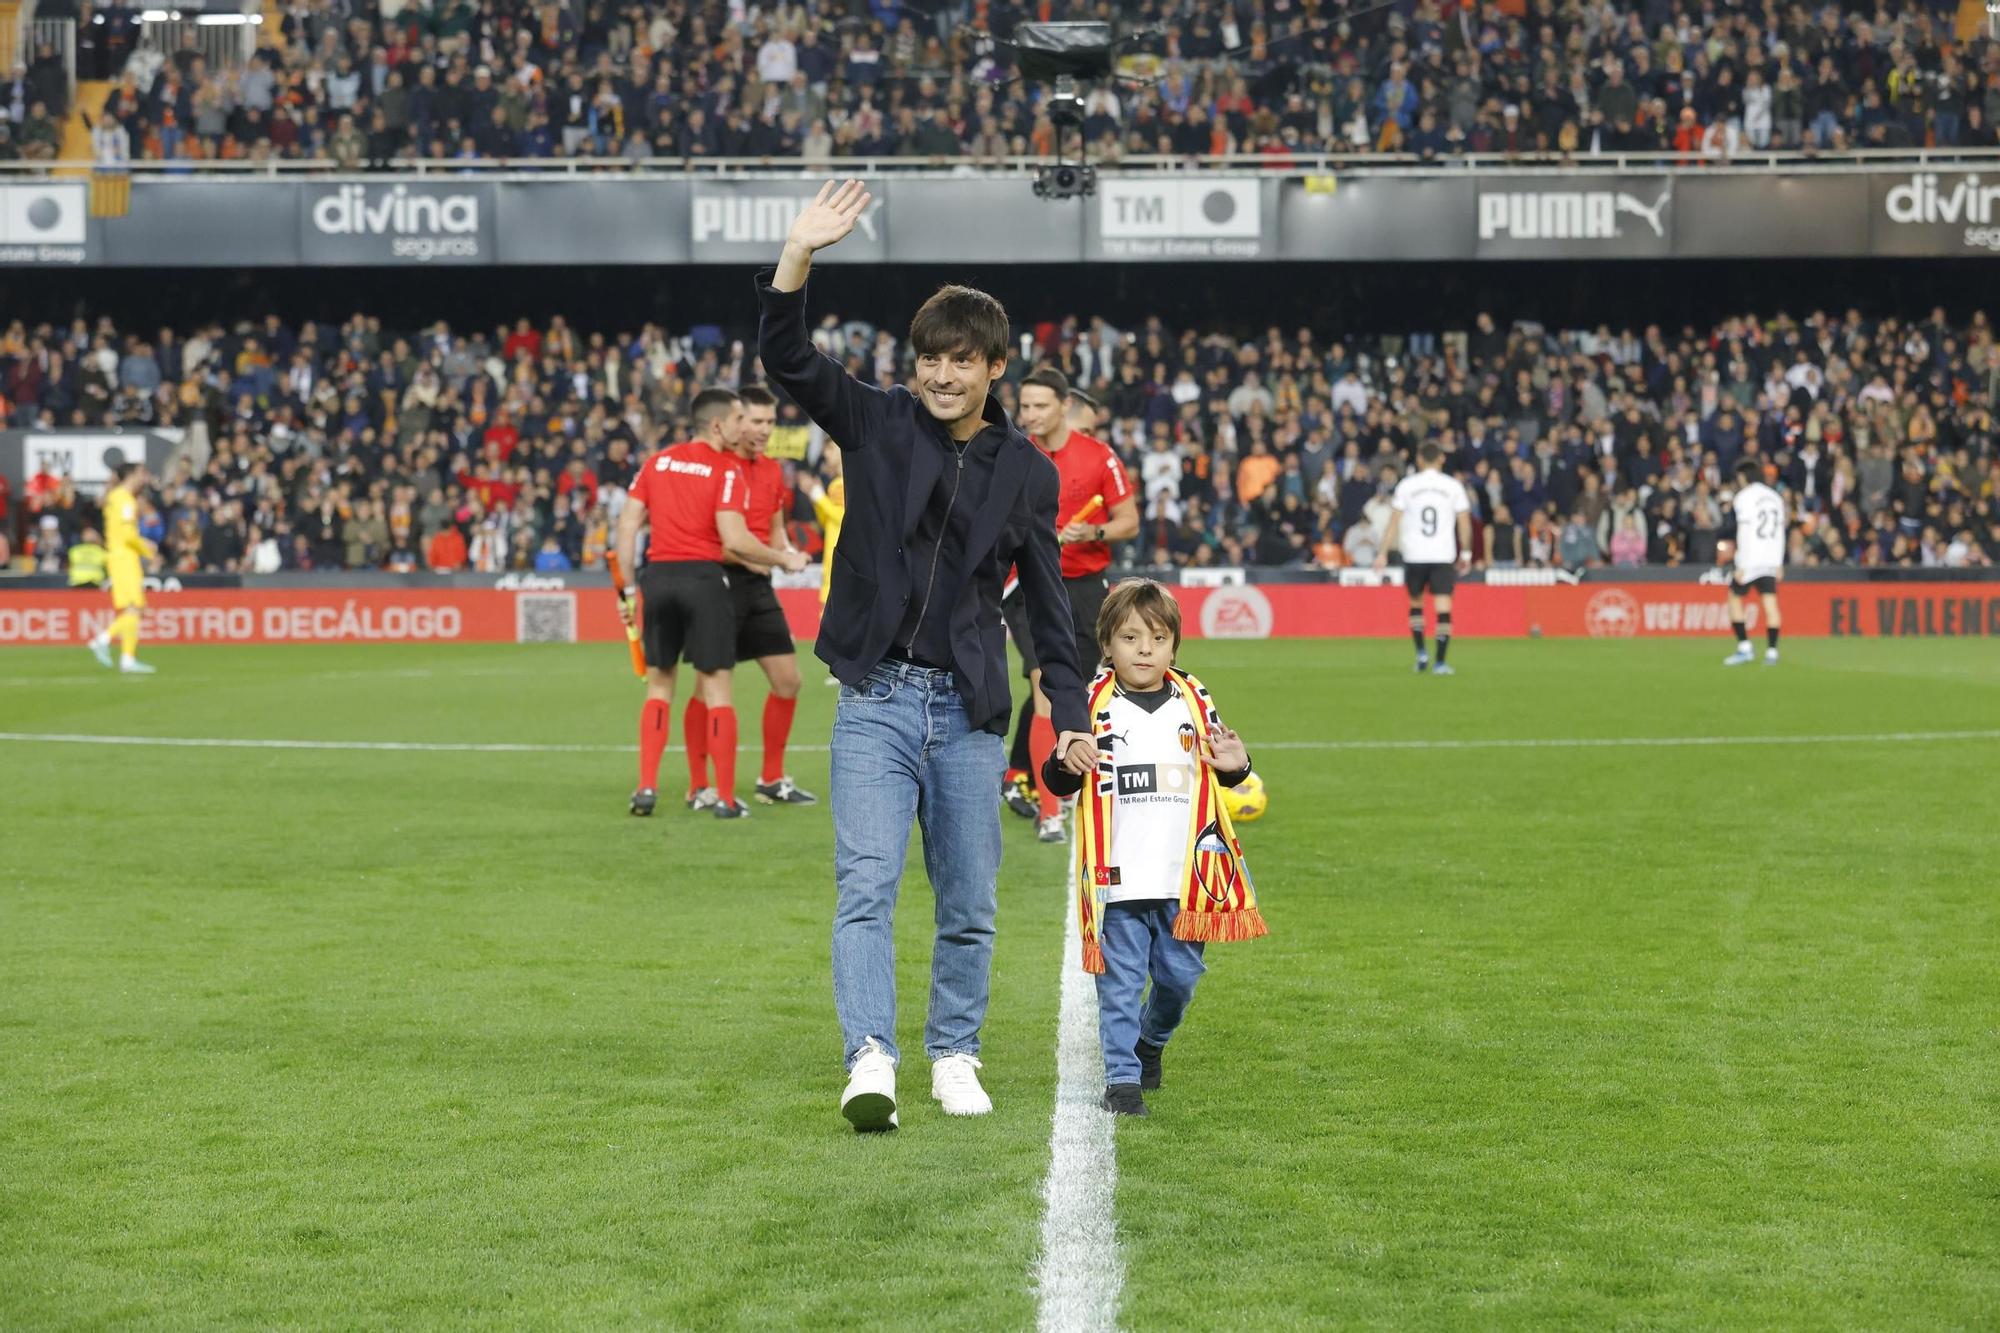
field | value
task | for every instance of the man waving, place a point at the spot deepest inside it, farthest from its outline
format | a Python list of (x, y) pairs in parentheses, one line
[(943, 494)]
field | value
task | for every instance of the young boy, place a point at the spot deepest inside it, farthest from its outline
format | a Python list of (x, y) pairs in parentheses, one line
[(1159, 869)]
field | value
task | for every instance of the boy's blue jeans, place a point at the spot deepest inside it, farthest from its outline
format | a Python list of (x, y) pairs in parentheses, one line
[(903, 754), (1138, 939)]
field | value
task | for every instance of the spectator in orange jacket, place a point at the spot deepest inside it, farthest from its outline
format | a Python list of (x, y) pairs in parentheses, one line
[(1256, 472), (447, 550)]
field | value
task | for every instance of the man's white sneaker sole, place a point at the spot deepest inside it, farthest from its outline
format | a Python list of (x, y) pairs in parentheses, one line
[(870, 1111), (869, 1103)]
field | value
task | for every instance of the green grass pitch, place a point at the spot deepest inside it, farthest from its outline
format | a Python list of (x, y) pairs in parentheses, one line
[(1682, 1035)]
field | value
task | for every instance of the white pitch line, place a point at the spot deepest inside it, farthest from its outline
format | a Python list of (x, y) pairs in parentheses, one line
[(530, 747), (242, 743), (1614, 742), (1079, 1273)]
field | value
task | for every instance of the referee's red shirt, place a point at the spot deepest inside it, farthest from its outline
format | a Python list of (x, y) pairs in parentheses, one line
[(765, 493), (683, 487), (1088, 467)]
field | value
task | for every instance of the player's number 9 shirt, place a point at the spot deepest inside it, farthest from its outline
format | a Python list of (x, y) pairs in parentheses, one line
[(1430, 503)]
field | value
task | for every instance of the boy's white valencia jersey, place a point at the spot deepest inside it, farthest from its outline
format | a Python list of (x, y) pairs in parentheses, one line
[(1155, 764), (1430, 503), (1760, 531)]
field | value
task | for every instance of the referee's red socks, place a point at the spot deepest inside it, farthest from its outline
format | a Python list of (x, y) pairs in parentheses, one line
[(777, 730), (1042, 744), (654, 720), (722, 751), (694, 726)]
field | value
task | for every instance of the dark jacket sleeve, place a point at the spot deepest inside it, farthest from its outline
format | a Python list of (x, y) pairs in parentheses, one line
[(1039, 561), (844, 407), (1059, 781)]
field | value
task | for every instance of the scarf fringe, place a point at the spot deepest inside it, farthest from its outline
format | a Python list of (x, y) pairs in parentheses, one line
[(1093, 957), (1210, 927)]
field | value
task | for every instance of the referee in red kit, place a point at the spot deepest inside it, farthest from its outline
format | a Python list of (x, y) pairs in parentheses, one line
[(1095, 507), (763, 634), (693, 496)]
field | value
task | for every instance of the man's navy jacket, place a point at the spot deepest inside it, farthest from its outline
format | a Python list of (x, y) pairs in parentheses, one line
[(892, 454)]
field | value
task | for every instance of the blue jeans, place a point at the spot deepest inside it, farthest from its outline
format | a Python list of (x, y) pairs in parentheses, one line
[(903, 754), (1138, 939)]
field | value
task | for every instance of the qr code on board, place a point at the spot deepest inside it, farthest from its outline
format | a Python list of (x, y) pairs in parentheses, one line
[(545, 617)]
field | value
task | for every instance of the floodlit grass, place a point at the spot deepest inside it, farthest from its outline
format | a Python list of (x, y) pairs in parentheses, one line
[(1694, 1035)]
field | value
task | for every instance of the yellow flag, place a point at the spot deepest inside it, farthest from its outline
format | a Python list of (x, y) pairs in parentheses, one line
[(788, 442)]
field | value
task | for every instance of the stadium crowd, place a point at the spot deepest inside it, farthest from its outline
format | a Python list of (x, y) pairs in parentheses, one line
[(371, 84), (362, 447)]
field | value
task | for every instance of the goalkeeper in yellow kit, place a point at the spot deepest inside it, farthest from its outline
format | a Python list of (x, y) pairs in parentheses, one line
[(127, 554)]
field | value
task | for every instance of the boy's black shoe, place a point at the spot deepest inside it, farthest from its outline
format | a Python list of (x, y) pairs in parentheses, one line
[(1124, 1099), (1149, 1064), (1019, 797)]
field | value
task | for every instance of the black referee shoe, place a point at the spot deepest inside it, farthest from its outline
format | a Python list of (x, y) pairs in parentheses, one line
[(1149, 1064), (784, 792), (733, 810), (1124, 1099), (643, 801)]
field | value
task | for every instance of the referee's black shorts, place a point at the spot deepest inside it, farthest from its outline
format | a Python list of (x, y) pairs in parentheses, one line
[(688, 610), (761, 627), (1439, 580), (1086, 599)]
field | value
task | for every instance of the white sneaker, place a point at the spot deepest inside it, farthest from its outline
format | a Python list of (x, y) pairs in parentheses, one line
[(870, 1100), (1050, 829), (1740, 657), (705, 799), (132, 666), (955, 1082), (1770, 657), (101, 650)]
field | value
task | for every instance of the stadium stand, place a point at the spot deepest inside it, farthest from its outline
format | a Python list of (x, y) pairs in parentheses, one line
[(321, 447), (372, 85)]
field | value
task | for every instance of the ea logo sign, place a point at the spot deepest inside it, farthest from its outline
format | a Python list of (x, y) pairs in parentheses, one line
[(1611, 614), (1241, 612)]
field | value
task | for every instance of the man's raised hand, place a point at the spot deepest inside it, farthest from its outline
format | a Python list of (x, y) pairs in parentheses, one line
[(832, 214)]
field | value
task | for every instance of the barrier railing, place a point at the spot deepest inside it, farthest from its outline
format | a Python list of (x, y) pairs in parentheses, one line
[(1289, 164), (224, 41)]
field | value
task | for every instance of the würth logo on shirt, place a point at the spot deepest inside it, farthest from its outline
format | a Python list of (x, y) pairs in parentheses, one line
[(681, 465)]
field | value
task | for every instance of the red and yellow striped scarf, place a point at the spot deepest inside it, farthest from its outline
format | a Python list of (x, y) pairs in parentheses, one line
[(1218, 901)]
